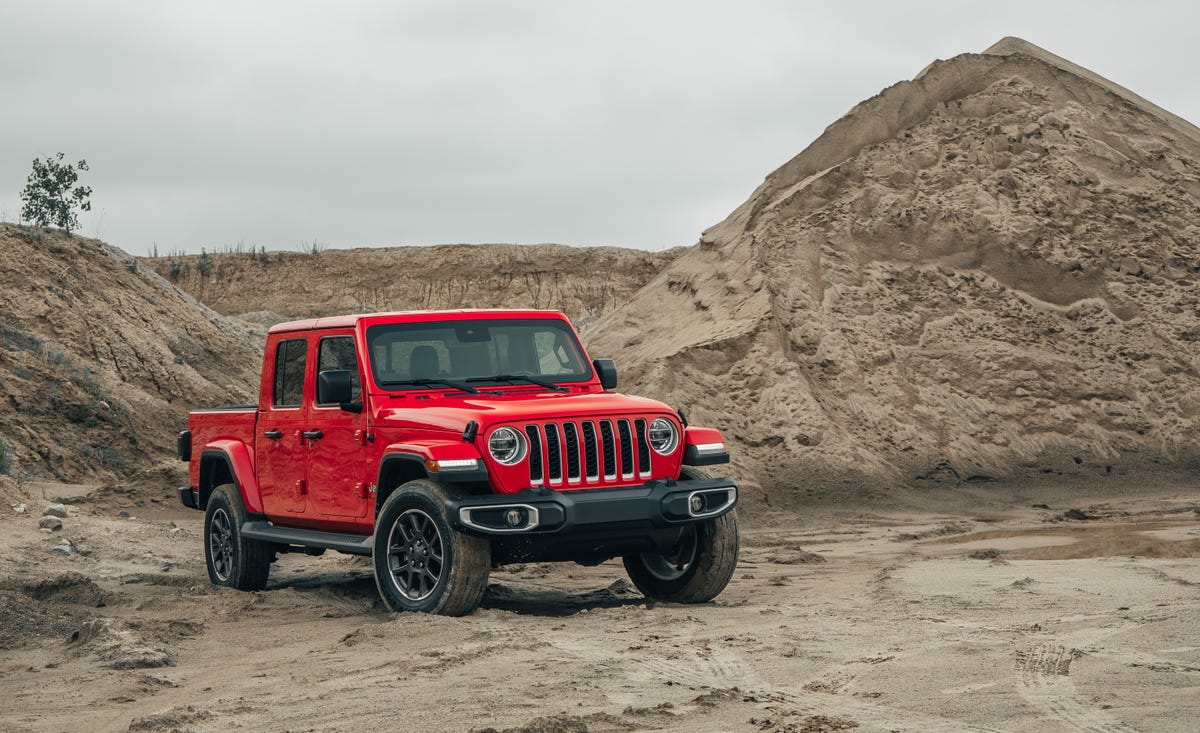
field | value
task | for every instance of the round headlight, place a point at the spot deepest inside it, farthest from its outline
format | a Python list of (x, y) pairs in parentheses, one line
[(663, 436), (507, 445)]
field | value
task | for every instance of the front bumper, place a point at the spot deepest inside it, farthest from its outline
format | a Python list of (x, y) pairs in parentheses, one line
[(542, 511)]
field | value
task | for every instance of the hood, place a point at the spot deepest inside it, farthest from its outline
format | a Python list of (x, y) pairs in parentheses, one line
[(453, 413)]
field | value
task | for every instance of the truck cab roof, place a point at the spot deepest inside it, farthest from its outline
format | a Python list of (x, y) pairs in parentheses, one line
[(416, 316)]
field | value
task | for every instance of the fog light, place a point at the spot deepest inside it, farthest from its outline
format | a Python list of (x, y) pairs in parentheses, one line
[(514, 517), (697, 503)]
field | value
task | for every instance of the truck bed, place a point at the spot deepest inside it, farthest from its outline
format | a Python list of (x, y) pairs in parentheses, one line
[(223, 423)]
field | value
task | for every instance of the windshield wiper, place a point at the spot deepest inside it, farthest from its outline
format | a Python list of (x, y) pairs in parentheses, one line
[(430, 382), (520, 378)]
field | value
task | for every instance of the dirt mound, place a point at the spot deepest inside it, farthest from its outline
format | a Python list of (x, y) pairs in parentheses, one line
[(175, 720), (118, 646), (270, 287), (565, 723), (101, 357), (23, 619), (11, 493), (71, 588), (138, 488), (986, 272)]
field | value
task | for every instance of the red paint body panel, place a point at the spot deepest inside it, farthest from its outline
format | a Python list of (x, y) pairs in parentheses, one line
[(243, 470), (701, 436), (328, 481), (432, 449), (231, 432), (336, 462), (283, 460)]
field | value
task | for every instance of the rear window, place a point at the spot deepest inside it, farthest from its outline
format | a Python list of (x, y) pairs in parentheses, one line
[(475, 350)]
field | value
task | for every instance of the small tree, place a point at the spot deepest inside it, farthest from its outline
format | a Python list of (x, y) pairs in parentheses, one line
[(51, 197)]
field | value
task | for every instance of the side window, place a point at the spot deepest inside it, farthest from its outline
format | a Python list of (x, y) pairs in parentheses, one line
[(337, 352), (290, 358)]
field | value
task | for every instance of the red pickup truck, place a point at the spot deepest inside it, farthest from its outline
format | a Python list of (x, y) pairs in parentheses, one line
[(444, 443)]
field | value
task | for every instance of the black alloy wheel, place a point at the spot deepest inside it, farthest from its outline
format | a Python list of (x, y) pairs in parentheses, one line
[(421, 562), (416, 555)]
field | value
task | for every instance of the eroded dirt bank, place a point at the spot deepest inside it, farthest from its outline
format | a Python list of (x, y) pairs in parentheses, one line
[(1003, 616)]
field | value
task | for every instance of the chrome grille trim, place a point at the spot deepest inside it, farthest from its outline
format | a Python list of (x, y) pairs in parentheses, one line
[(625, 438), (589, 452), (591, 459), (571, 451), (553, 454), (643, 447), (536, 459), (610, 449)]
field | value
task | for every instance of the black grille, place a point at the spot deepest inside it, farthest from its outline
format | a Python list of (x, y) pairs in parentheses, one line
[(610, 450), (588, 451), (590, 459), (553, 453), (571, 444), (623, 433), (535, 454), (643, 446)]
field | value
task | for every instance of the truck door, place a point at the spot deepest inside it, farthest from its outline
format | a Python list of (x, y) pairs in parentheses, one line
[(336, 460), (279, 445)]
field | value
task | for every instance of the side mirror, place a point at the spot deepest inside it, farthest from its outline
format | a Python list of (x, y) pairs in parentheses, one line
[(333, 387), (606, 369)]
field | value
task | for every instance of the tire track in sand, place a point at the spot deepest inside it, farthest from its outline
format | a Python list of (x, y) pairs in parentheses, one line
[(715, 669), (1043, 678)]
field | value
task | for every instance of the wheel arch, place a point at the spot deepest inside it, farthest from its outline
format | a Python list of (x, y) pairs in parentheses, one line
[(229, 462), (396, 469), (404, 462)]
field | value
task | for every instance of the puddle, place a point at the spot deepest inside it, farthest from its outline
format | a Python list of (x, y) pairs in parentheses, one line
[(1017, 542), (1174, 534), (1158, 539)]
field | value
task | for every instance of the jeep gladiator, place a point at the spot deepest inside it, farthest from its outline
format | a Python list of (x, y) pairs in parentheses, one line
[(444, 443)]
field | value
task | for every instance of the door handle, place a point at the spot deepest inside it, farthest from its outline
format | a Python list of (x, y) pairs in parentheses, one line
[(273, 434), (313, 434)]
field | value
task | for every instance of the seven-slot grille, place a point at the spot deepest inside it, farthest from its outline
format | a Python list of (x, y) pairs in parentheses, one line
[(588, 451)]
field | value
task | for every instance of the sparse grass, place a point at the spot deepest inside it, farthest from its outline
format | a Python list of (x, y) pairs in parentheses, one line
[(5, 457), (64, 369), (80, 413), (17, 340), (314, 247), (105, 456), (56, 356)]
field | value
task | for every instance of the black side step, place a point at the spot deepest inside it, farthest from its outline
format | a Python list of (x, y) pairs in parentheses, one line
[(353, 544)]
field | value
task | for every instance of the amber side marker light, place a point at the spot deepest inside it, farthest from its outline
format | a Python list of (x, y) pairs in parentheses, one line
[(452, 464)]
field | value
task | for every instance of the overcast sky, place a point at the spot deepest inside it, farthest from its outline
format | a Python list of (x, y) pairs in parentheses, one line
[(208, 124)]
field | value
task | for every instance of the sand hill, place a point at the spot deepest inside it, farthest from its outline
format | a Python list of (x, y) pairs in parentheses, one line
[(584, 282), (986, 272), (101, 358)]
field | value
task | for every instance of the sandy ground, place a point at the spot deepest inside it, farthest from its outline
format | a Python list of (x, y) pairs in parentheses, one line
[(999, 616)]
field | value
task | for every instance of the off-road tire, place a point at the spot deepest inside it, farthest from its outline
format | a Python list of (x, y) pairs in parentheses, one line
[(709, 569), (233, 561), (421, 562)]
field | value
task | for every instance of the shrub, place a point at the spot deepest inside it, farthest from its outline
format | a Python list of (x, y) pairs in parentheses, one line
[(5, 457)]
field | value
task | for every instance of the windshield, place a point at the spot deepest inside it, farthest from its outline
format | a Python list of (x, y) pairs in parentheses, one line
[(415, 355)]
